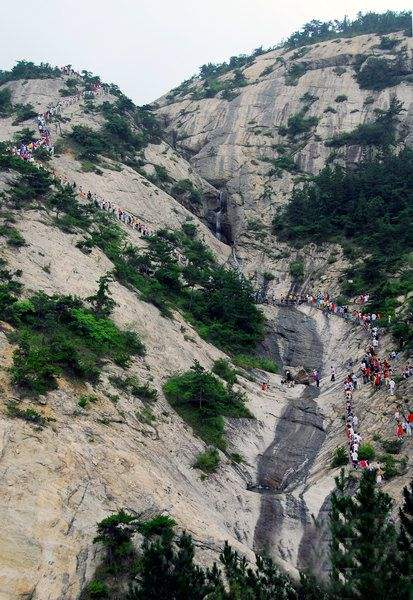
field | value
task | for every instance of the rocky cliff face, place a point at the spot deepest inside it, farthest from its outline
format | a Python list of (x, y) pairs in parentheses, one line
[(237, 144), (57, 482)]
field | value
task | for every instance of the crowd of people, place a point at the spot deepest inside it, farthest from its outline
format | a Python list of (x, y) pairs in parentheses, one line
[(324, 302), (376, 372), (121, 215), (26, 150)]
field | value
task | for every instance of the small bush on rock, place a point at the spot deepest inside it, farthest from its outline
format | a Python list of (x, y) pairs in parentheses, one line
[(207, 461)]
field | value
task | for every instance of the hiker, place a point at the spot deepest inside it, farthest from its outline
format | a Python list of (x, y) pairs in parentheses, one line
[(333, 373), (392, 386), (400, 432), (355, 458)]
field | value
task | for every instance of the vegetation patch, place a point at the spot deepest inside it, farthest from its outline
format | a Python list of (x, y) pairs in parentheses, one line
[(24, 69), (246, 361), (203, 401), (58, 334), (223, 369), (298, 124), (132, 385), (340, 457), (31, 415), (163, 566), (379, 73), (207, 461), (369, 22), (294, 72), (380, 132), (296, 269), (377, 194)]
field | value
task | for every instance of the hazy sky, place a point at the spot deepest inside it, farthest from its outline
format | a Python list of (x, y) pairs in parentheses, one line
[(149, 46)]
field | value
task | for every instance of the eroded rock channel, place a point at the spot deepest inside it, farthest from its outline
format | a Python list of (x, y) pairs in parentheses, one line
[(298, 437)]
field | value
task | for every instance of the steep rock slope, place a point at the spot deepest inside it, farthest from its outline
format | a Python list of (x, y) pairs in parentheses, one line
[(241, 145), (57, 482)]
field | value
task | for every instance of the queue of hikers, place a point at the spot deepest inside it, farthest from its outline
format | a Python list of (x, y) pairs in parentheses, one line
[(324, 302), (26, 150), (121, 215), (376, 372)]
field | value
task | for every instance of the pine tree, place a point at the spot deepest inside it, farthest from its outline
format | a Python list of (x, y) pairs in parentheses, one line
[(101, 301), (363, 541), (402, 562)]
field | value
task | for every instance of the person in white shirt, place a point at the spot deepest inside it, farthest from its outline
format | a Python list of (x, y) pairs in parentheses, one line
[(392, 386), (354, 458)]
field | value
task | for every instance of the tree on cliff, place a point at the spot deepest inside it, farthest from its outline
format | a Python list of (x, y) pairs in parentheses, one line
[(370, 558)]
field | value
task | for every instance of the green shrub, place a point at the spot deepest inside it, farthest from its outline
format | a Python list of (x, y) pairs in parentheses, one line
[(207, 461), (6, 107), (145, 416), (90, 142), (309, 98), (298, 124), (378, 73), (165, 568), (86, 399), (41, 154), (13, 235), (366, 452), (161, 173), (255, 362), (25, 136), (294, 72), (115, 533), (156, 526), (341, 98), (236, 458), (24, 112), (296, 269), (387, 43), (389, 466), (267, 71), (217, 302), (57, 334), (97, 589), (329, 208), (392, 446), (282, 163), (28, 414), (380, 132), (340, 457), (132, 385), (368, 22), (202, 401), (223, 369), (185, 188)]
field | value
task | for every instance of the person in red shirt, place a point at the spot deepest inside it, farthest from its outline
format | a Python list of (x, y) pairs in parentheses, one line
[(400, 432)]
